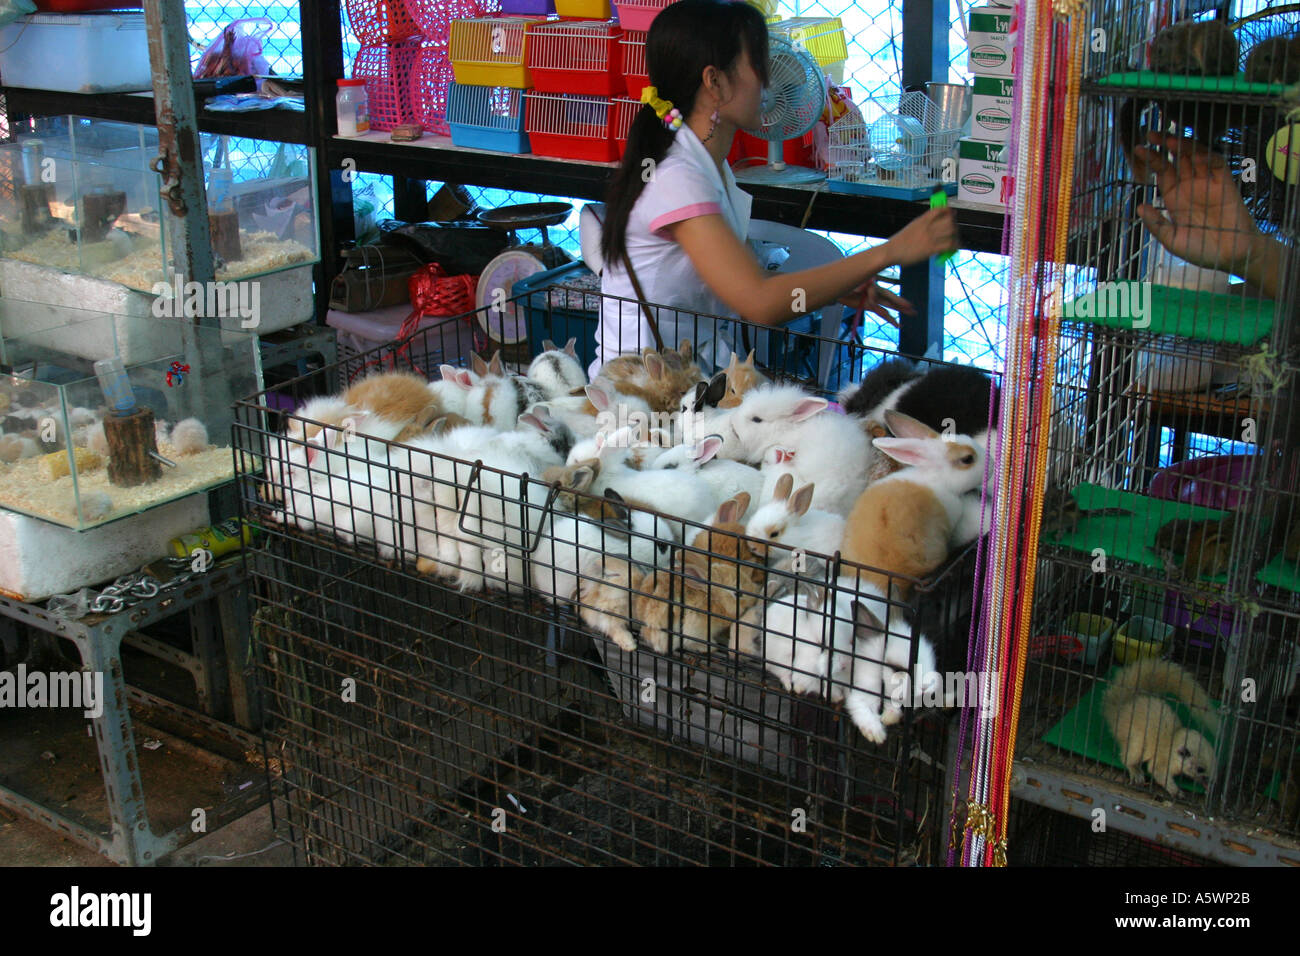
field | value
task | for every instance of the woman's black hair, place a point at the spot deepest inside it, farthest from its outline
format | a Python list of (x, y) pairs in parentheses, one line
[(684, 39)]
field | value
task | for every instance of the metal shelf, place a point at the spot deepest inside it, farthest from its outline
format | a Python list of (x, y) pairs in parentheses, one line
[(435, 158), (278, 125)]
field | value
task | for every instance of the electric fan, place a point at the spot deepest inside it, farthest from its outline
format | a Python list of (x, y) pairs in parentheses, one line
[(792, 104)]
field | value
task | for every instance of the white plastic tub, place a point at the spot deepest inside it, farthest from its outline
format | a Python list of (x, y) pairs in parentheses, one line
[(89, 53)]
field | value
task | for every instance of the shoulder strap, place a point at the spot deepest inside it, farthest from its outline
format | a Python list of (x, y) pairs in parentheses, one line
[(645, 306)]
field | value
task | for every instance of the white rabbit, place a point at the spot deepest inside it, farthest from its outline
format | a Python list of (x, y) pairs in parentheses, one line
[(822, 446), (905, 523), (725, 478), (787, 519), (557, 371), (671, 492)]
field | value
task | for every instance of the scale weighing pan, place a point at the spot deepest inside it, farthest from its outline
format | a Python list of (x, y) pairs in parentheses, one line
[(530, 215)]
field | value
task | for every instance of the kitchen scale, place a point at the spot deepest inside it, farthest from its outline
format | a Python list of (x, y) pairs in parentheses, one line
[(503, 323)]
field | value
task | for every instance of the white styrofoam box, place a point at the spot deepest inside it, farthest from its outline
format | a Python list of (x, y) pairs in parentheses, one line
[(990, 51), (96, 53), (990, 108), (39, 558), (35, 298), (982, 172)]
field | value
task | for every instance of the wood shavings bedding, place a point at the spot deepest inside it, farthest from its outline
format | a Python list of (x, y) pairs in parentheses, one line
[(27, 489), (263, 252)]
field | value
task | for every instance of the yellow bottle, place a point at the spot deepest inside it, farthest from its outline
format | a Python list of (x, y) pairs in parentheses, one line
[(224, 538)]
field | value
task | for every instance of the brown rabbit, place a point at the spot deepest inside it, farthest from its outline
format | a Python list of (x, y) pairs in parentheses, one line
[(741, 377), (398, 396), (702, 594)]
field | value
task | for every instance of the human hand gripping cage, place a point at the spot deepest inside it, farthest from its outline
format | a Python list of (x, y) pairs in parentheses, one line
[(596, 507)]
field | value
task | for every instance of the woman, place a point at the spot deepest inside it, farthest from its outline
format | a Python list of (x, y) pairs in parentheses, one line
[(675, 220)]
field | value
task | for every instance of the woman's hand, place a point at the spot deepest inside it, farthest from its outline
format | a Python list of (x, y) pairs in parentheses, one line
[(929, 234), (1204, 220), (872, 297)]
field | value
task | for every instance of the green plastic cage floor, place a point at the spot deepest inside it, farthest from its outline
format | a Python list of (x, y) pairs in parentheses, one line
[(1205, 316), (1149, 80), (1083, 730)]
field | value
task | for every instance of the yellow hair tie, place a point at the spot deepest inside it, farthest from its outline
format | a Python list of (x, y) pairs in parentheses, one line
[(664, 109)]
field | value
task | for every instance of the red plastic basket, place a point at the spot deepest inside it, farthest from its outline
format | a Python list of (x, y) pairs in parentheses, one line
[(570, 127), (432, 81), (625, 111), (391, 72), (576, 56), (639, 15), (381, 21), (635, 75), (434, 16)]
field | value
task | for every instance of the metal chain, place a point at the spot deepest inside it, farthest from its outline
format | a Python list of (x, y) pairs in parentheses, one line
[(131, 589)]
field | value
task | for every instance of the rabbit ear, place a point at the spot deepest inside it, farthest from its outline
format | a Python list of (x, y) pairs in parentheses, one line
[(581, 477), (865, 624), (726, 512), (654, 364), (463, 379), (807, 408), (528, 418), (685, 350), (479, 366), (912, 451), (741, 499), (905, 426), (549, 346), (783, 486), (707, 449), (749, 361), (618, 507), (734, 363), (494, 367), (569, 348), (448, 372), (716, 390), (598, 397), (695, 566), (801, 501)]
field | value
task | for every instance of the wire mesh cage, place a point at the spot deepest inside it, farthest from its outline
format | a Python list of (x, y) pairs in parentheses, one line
[(1166, 605), (487, 117), (491, 51), (891, 145), (450, 671), (391, 72), (577, 56), (823, 37), (635, 74), (381, 21), (625, 111), (570, 127)]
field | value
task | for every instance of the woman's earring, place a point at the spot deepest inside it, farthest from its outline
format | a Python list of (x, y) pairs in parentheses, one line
[(713, 124)]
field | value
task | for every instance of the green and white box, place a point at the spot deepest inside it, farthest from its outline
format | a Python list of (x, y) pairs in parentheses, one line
[(988, 39), (990, 108), (982, 172)]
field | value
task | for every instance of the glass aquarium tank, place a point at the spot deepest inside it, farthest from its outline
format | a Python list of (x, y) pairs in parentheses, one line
[(89, 435), (78, 201)]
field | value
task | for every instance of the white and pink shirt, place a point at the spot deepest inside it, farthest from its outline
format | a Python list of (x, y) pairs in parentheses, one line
[(685, 185)]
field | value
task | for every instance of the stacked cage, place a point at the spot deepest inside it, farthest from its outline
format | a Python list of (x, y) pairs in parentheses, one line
[(389, 59), (577, 69), (489, 56), (470, 654), (1167, 621), (434, 74)]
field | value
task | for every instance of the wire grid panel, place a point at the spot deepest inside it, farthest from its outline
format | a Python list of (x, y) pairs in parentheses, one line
[(503, 725), (576, 56), (1172, 444), (391, 72), (891, 140), (569, 126), (432, 81), (381, 21), (635, 72), (487, 107), (625, 111)]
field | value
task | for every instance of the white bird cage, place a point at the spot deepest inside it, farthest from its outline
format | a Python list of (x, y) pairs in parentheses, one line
[(634, 68), (625, 111), (576, 56), (891, 145), (487, 117)]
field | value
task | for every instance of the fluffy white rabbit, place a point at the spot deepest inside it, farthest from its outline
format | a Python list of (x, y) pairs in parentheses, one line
[(787, 518)]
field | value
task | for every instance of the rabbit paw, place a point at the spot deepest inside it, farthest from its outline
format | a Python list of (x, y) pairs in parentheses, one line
[(427, 566), (892, 714), (623, 638)]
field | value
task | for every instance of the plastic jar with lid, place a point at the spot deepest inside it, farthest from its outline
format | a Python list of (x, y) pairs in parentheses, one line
[(353, 108)]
